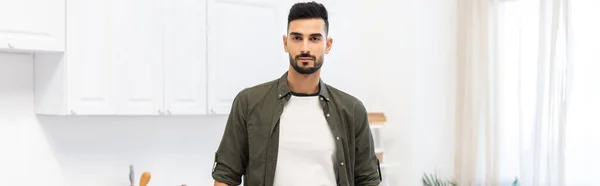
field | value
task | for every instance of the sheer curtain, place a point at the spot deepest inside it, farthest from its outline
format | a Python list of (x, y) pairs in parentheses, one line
[(477, 125), (534, 105), (583, 121), (515, 64)]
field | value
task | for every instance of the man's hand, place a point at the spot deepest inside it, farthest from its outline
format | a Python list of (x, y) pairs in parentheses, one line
[(220, 184)]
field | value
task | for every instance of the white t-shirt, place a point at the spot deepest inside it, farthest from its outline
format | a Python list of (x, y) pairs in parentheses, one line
[(306, 145)]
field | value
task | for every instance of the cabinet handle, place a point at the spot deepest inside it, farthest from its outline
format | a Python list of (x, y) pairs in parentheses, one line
[(169, 112), (212, 111), (73, 112), (160, 112), (10, 45)]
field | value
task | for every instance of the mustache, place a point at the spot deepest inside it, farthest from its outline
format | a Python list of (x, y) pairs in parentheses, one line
[(306, 55)]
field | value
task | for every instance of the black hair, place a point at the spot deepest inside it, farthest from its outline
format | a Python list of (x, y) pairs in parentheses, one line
[(307, 10)]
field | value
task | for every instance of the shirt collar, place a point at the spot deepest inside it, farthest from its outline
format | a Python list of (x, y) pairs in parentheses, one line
[(283, 88)]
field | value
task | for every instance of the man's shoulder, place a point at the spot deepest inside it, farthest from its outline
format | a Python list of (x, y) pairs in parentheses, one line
[(343, 98), (258, 89)]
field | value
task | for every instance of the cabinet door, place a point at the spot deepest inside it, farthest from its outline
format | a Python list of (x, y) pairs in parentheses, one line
[(32, 25), (91, 72), (245, 48), (136, 34), (185, 57)]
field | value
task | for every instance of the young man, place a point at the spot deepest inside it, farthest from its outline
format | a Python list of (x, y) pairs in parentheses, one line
[(297, 130)]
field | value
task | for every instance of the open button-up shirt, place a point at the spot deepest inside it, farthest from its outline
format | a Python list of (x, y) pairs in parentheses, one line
[(250, 141)]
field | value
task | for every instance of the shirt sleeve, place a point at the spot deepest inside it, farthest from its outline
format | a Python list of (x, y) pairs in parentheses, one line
[(366, 170), (231, 157)]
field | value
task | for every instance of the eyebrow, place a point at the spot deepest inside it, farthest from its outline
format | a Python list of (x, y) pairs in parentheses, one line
[(313, 35)]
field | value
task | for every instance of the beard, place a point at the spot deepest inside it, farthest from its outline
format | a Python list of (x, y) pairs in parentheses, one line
[(305, 69)]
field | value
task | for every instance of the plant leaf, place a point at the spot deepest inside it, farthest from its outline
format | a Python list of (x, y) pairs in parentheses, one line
[(426, 181)]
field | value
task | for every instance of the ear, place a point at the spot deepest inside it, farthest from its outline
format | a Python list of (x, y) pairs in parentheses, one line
[(328, 45), (285, 43)]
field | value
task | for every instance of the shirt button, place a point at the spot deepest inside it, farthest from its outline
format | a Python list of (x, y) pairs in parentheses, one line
[(327, 115), (337, 138), (342, 163)]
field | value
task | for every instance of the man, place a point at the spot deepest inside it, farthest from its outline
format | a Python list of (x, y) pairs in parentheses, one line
[(297, 130)]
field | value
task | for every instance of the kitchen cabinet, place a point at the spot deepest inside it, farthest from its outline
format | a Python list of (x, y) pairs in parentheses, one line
[(185, 57), (136, 30), (245, 47), (160, 57), (127, 57), (82, 81), (32, 25)]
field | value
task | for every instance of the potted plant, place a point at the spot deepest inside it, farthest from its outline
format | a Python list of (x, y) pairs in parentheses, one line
[(435, 180)]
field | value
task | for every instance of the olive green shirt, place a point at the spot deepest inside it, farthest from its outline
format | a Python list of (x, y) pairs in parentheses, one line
[(250, 141)]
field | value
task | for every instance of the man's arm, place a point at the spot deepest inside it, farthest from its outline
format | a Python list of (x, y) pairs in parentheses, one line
[(366, 168), (231, 157)]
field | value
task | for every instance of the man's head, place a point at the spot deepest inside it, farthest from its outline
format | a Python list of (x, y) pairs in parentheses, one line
[(306, 41)]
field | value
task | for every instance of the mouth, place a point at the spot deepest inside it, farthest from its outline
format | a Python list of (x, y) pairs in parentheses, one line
[(305, 59)]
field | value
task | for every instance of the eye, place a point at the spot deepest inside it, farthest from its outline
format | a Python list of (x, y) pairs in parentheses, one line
[(296, 38), (315, 39)]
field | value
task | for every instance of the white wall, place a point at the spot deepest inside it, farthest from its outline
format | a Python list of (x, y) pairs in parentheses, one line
[(24, 150), (413, 46), (404, 49), (176, 150)]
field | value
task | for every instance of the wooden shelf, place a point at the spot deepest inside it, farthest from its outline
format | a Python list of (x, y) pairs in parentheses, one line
[(380, 156), (377, 118)]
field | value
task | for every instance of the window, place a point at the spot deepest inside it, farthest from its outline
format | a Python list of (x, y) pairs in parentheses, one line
[(583, 116), (518, 34)]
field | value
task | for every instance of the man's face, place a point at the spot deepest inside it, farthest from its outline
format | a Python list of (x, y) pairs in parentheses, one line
[(306, 43)]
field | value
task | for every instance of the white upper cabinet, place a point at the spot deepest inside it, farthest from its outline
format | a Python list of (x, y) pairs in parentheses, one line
[(127, 57), (82, 82), (91, 71), (245, 48), (32, 25), (185, 57), (136, 31), (153, 57)]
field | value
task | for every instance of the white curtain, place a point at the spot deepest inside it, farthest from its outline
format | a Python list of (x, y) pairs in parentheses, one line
[(513, 90), (477, 151), (543, 132)]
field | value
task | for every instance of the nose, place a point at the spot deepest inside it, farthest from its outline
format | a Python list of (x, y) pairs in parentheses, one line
[(305, 47)]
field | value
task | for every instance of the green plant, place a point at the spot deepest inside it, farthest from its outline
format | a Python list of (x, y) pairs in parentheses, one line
[(516, 182), (435, 180)]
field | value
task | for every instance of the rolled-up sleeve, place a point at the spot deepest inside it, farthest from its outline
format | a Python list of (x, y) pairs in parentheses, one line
[(366, 170), (231, 157)]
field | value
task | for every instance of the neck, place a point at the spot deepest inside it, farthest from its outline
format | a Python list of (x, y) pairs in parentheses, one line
[(303, 83)]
